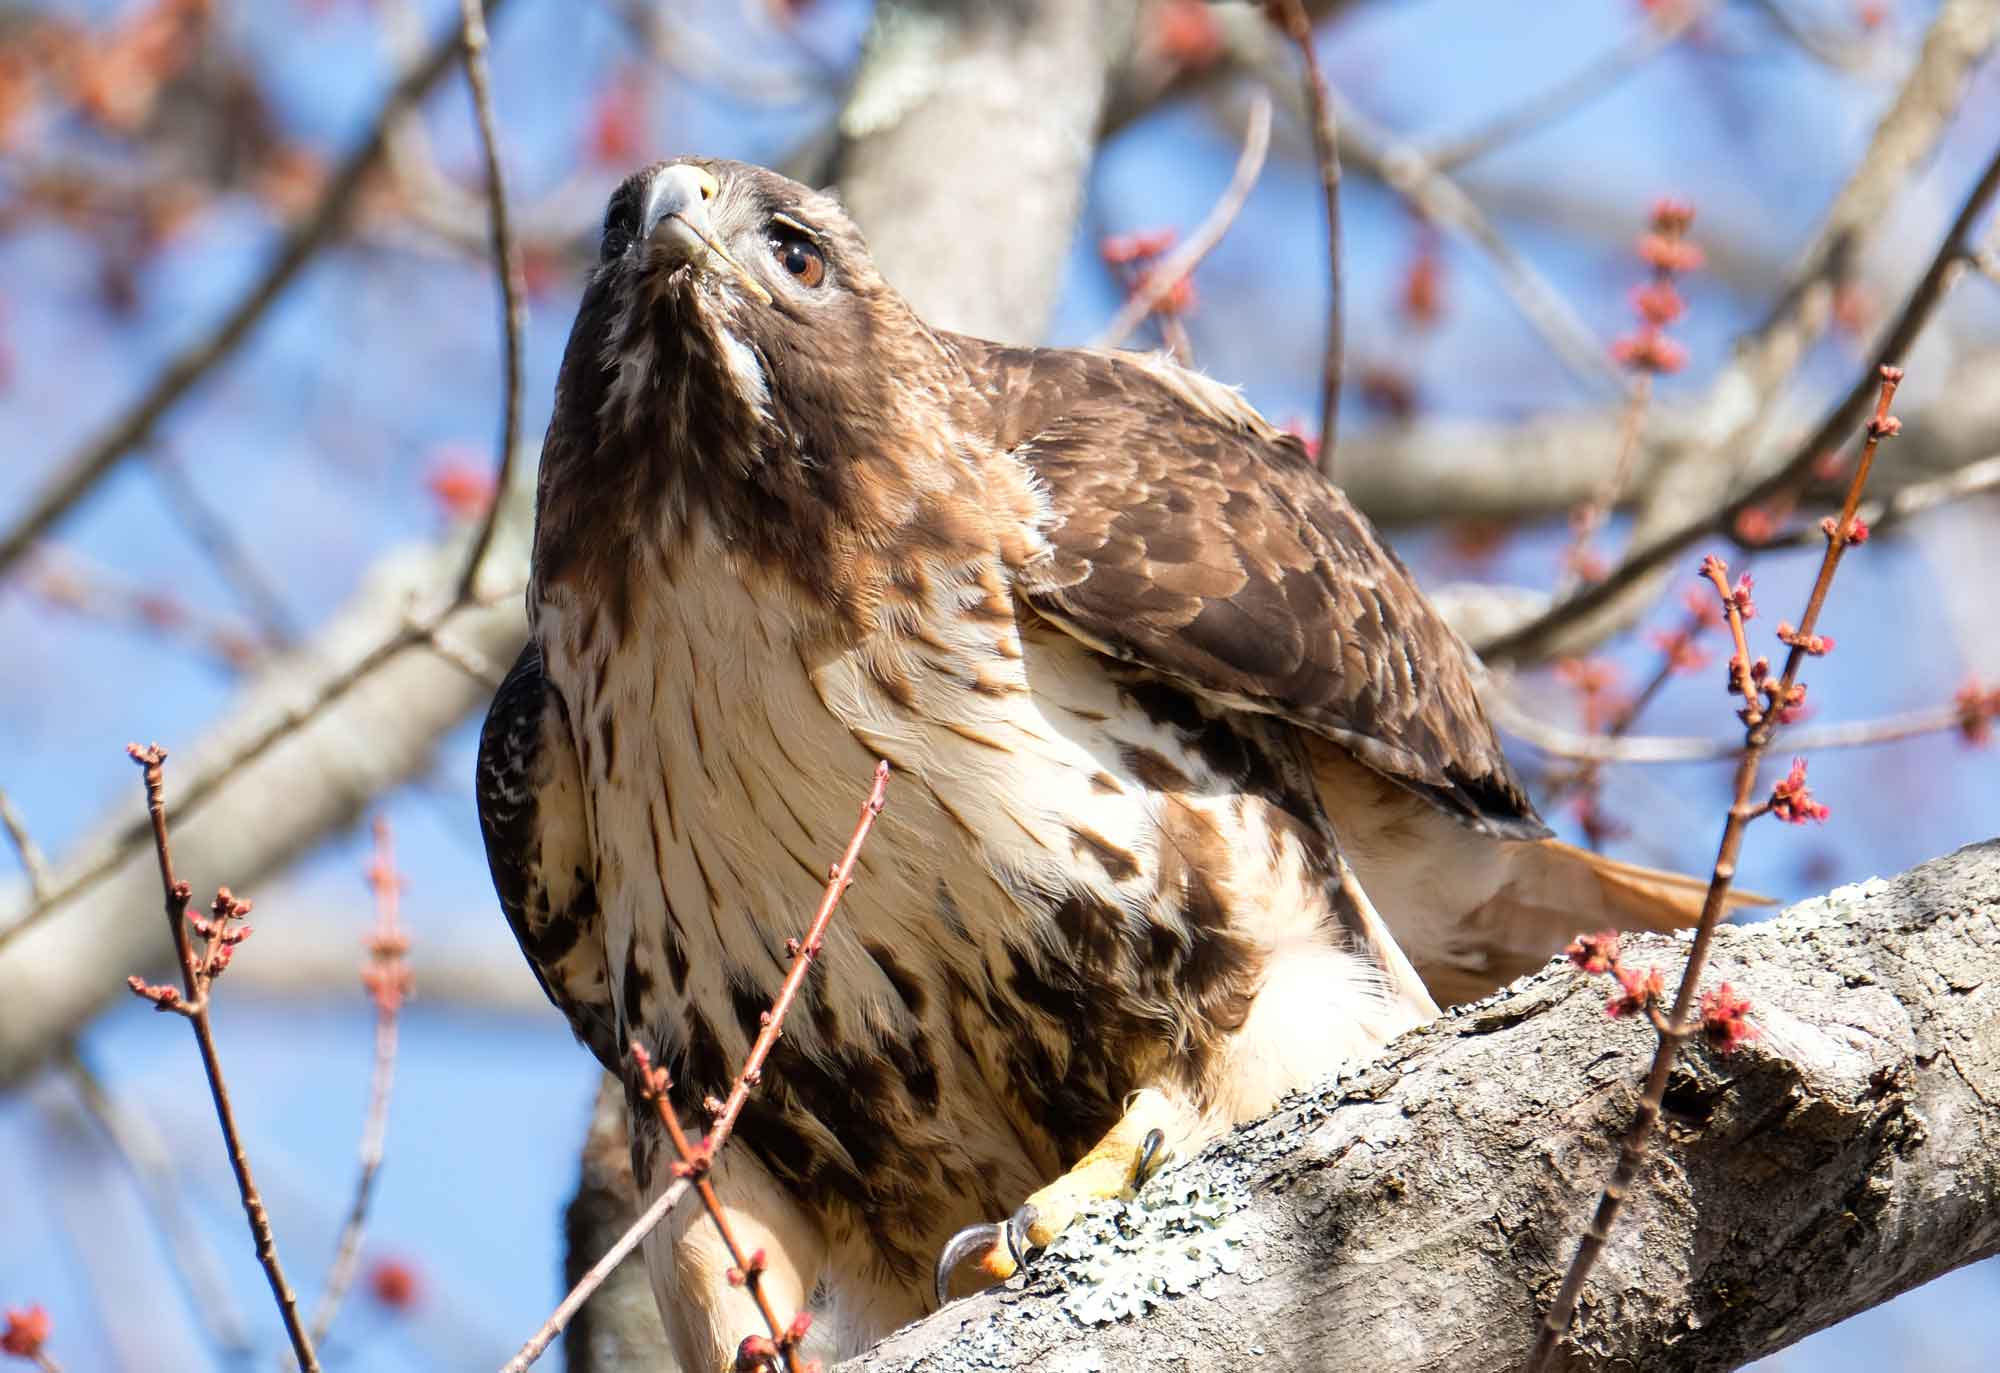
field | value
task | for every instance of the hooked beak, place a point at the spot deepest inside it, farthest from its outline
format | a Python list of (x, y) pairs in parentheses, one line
[(675, 219)]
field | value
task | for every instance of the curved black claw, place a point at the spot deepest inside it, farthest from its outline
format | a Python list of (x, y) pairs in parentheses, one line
[(1149, 1156), (1001, 1245)]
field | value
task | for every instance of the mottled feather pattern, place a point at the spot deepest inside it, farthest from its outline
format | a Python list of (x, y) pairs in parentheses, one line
[(530, 799)]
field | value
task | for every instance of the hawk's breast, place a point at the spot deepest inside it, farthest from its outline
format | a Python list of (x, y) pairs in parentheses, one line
[(1079, 884)]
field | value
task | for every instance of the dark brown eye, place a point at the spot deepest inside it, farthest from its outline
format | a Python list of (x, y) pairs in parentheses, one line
[(800, 257)]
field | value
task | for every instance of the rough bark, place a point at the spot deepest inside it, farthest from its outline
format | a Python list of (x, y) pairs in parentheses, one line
[(1416, 1214), (964, 145)]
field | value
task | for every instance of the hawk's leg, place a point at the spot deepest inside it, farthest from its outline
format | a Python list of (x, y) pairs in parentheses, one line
[(1154, 1127), (706, 1316)]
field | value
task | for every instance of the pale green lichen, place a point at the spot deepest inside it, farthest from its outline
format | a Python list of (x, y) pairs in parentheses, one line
[(1119, 1259)]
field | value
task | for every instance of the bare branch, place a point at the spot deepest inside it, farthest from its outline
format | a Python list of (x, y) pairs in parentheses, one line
[(311, 740), (507, 265), (1583, 611), (1812, 39), (1973, 479), (1738, 403), (25, 848), (1290, 15), (1160, 281), (1404, 170), (198, 976), (417, 631), (138, 1143), (1656, 33), (388, 982), (1016, 93), (210, 532), (76, 475), (1553, 739)]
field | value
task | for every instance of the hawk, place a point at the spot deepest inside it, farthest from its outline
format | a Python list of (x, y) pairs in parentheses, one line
[(1169, 724)]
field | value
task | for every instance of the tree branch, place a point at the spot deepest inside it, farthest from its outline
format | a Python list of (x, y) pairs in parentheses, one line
[(74, 478), (1015, 91), (312, 739), (1290, 16), (507, 266), (1159, 281), (1418, 1212), (1651, 36), (1734, 413)]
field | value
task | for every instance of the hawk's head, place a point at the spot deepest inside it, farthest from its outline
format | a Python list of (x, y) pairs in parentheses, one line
[(736, 352)]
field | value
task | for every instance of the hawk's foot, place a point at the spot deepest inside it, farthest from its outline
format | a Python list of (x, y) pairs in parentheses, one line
[(1117, 1167)]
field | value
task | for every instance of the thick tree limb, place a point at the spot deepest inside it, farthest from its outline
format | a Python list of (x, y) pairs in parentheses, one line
[(1541, 465), (259, 815), (1014, 91), (1417, 1214)]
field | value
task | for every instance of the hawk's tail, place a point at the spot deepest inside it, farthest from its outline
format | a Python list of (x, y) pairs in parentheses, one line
[(1588, 886), (1555, 891), (1474, 911)]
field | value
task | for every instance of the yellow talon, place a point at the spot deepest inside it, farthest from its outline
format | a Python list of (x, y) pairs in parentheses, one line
[(1119, 1163), (1115, 1167)]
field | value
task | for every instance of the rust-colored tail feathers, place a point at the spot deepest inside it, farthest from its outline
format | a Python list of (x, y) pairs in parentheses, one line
[(1474, 911), (1555, 891), (1629, 897)]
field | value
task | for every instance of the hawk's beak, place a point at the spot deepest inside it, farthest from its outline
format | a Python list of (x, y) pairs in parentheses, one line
[(675, 217)]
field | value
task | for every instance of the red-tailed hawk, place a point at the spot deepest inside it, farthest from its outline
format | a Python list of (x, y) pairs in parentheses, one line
[(1154, 693)]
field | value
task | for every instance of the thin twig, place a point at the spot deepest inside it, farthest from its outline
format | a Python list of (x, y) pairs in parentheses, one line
[(210, 532), (33, 864), (698, 1163), (1591, 515), (197, 977), (1405, 170), (78, 474), (1655, 34), (138, 1142), (803, 953), (1290, 16), (1923, 302), (1840, 54), (387, 981), (69, 584), (506, 263), (1644, 749), (1973, 479), (1159, 283), (418, 631), (1760, 724)]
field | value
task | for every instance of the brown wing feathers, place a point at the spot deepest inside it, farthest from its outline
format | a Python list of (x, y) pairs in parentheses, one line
[(1194, 539)]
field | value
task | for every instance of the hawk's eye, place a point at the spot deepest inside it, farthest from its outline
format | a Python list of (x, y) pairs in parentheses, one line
[(798, 255), (621, 223)]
